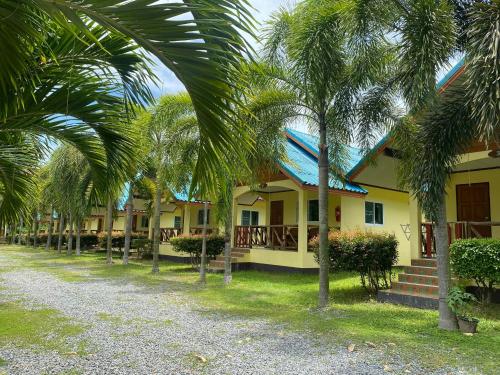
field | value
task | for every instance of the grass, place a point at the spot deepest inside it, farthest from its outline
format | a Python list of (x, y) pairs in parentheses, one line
[(44, 328), (352, 316)]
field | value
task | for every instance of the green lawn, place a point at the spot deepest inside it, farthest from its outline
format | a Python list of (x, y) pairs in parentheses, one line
[(285, 298)]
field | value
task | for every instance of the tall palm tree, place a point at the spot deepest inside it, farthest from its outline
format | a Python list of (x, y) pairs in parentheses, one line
[(85, 52), (430, 34), (165, 157), (334, 70)]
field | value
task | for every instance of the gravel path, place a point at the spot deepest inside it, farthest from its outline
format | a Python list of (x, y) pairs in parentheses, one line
[(132, 329)]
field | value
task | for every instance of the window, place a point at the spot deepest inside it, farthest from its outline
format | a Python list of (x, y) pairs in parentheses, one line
[(249, 217), (177, 222), (374, 213), (313, 210), (144, 221), (200, 217)]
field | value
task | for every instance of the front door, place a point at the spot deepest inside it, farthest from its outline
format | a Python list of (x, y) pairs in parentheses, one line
[(473, 204), (276, 219), (99, 224)]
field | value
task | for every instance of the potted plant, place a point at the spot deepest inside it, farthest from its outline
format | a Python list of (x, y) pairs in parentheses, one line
[(462, 304)]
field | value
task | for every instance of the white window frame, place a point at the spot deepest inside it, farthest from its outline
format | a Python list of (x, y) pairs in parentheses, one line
[(383, 214)]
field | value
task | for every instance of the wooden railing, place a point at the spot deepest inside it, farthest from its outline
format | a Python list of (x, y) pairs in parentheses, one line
[(167, 233), (277, 237), (456, 230)]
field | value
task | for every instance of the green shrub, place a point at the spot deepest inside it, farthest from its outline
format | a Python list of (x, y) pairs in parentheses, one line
[(478, 260), (117, 239), (372, 255), (192, 246), (144, 247)]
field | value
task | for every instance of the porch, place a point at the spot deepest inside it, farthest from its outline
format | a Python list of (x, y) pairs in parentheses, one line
[(456, 230), (273, 237)]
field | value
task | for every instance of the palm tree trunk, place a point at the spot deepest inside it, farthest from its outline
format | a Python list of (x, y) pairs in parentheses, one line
[(20, 231), (324, 283), (78, 235), (49, 233), (203, 265), (70, 234), (128, 226), (228, 227), (109, 242), (447, 319), (156, 229), (28, 236), (13, 233), (61, 230), (35, 231)]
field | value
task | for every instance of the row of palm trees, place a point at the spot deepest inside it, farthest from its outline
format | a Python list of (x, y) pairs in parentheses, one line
[(351, 69)]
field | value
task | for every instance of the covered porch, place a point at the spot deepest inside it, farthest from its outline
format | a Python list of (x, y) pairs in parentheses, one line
[(472, 201)]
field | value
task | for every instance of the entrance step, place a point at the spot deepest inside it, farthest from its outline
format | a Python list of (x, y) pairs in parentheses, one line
[(237, 254), (424, 262), (417, 270), (417, 286)]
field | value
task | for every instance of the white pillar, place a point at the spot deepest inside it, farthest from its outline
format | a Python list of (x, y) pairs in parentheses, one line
[(415, 228), (186, 220), (302, 223)]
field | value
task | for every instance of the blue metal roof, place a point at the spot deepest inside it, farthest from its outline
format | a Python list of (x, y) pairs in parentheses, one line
[(451, 73), (303, 166)]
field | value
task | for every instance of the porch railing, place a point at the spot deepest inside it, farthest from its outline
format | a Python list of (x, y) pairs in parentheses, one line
[(456, 230), (167, 233), (277, 237)]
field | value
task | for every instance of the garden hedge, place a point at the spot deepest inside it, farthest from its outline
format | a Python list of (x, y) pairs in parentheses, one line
[(479, 260), (118, 239), (372, 255), (192, 246)]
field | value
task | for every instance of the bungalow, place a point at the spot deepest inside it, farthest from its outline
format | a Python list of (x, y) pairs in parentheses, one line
[(274, 222)]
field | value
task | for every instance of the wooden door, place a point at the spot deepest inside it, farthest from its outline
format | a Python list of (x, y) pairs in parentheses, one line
[(134, 223), (277, 229), (99, 224), (473, 204)]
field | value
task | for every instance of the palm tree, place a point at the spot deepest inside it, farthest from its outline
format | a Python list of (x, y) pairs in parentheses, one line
[(85, 52), (440, 128), (334, 71), (161, 127), (128, 225)]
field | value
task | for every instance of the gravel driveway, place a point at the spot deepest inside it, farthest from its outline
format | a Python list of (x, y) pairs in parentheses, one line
[(131, 329)]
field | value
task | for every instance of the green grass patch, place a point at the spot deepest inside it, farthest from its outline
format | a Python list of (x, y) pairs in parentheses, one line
[(352, 317), (45, 328)]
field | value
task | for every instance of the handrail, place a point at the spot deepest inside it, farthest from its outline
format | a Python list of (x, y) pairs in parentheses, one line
[(167, 233), (276, 237), (456, 230)]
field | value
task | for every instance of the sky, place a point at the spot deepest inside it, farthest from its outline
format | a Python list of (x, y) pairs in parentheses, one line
[(170, 84)]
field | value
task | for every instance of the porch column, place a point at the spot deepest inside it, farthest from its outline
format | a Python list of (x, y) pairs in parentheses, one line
[(186, 220), (234, 220), (302, 223), (415, 228)]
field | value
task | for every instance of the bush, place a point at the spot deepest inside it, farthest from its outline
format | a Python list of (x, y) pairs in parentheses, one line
[(478, 260), (192, 246), (372, 255), (117, 239)]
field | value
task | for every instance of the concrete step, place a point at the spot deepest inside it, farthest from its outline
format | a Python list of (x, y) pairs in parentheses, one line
[(418, 270), (418, 279), (216, 264), (419, 300), (424, 262), (411, 288)]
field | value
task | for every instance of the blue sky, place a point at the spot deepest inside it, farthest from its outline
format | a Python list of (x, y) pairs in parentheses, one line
[(169, 83)]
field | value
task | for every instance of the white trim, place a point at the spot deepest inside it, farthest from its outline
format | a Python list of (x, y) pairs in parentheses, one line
[(383, 214)]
